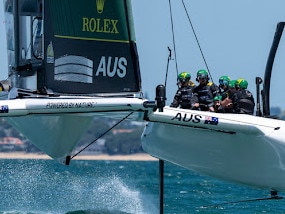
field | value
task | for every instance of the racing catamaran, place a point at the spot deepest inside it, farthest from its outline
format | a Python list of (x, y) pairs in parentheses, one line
[(80, 60)]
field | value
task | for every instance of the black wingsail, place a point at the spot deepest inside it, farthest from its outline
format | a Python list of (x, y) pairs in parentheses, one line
[(61, 48), (89, 47)]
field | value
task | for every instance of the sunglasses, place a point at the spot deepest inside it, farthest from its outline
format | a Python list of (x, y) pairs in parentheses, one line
[(223, 82)]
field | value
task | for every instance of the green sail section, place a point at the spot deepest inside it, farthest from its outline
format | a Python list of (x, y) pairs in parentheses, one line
[(90, 47), (93, 20)]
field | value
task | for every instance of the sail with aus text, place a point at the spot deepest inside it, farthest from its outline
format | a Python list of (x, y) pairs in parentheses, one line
[(69, 61), (88, 46)]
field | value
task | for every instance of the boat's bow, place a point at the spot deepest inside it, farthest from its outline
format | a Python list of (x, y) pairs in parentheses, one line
[(240, 148)]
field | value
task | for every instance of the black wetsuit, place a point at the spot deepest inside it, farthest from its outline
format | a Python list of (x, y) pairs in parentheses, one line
[(184, 97), (206, 94), (243, 102)]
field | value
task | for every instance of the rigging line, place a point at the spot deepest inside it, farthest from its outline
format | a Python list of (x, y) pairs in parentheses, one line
[(168, 59), (173, 37), (103, 134), (197, 40)]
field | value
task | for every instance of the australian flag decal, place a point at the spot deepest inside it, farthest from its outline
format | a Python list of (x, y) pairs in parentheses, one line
[(211, 120), (4, 109)]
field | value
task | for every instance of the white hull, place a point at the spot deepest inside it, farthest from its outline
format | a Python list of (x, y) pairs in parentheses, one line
[(239, 148), (55, 135), (56, 105), (55, 125)]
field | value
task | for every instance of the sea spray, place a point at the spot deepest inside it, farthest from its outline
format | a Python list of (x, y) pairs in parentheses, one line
[(44, 186)]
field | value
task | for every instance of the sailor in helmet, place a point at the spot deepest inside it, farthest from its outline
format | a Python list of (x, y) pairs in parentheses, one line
[(240, 100), (206, 91), (227, 102), (224, 86), (243, 99), (184, 97)]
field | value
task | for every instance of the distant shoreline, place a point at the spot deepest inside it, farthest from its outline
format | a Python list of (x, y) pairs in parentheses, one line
[(133, 157)]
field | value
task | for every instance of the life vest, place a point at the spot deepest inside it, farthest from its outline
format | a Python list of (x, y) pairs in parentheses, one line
[(206, 93), (184, 98)]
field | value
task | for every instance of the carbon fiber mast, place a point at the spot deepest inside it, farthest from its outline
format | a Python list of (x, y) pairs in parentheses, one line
[(268, 70)]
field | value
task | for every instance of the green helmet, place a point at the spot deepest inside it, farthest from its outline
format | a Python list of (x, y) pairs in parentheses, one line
[(184, 77), (232, 83), (202, 74), (242, 83), (224, 80), (216, 98)]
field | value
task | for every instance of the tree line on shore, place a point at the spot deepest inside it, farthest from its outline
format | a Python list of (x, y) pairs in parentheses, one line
[(123, 139)]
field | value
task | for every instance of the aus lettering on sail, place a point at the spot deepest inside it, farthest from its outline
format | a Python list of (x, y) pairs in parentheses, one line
[(112, 66)]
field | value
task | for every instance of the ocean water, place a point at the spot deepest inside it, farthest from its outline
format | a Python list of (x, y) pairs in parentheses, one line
[(89, 187)]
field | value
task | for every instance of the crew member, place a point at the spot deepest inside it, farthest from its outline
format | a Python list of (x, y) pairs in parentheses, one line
[(218, 104), (184, 97), (206, 91), (243, 99), (227, 102), (224, 86)]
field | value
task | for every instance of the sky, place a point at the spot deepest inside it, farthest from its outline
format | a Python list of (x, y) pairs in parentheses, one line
[(235, 37)]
